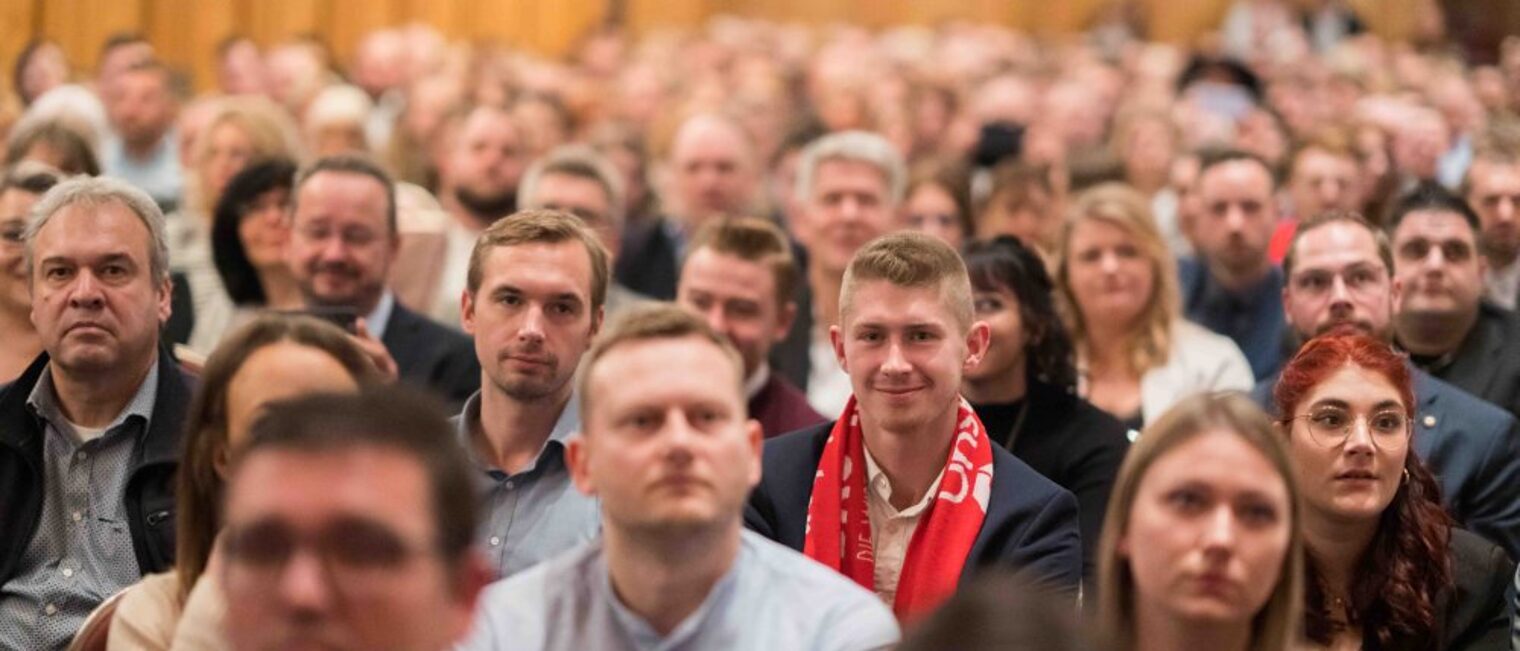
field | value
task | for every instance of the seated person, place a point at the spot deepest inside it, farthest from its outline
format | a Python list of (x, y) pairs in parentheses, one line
[(671, 457), (908, 452)]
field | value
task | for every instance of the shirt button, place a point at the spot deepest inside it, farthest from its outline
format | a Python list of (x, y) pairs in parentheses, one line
[(510, 485), (50, 610), (495, 541), (77, 516), (68, 572), (81, 456)]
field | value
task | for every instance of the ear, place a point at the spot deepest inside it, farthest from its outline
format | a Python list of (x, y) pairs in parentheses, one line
[(784, 321), (220, 463), (597, 320), (472, 573), (978, 340), (165, 300), (1287, 295), (577, 459), (1121, 545), (837, 338), (755, 438), (1395, 292), (467, 311)]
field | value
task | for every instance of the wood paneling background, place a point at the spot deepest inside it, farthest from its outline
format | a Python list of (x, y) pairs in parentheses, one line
[(186, 31)]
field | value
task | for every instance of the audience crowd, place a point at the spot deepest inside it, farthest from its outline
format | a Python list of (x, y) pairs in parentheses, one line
[(763, 336)]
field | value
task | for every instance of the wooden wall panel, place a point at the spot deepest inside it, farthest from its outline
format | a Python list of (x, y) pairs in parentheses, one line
[(18, 22), (81, 26)]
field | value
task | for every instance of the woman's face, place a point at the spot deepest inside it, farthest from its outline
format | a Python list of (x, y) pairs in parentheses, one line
[(1005, 355), (1208, 531), (1111, 279), (930, 209), (1031, 221), (264, 228), (14, 205), (275, 372), (227, 153), (1354, 479)]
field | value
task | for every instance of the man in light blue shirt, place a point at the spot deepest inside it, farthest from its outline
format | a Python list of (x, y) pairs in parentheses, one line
[(144, 148), (668, 448), (533, 301)]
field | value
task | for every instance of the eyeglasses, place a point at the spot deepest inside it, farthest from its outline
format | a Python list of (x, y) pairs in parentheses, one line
[(1330, 427), (355, 554)]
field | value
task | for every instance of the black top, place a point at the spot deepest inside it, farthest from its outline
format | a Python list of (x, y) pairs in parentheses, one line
[(1069, 441), (1487, 363)]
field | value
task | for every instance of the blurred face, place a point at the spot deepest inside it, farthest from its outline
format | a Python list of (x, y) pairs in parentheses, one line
[(1435, 257), (280, 371), (930, 209), (228, 150), (711, 170), (264, 229), (737, 297), (672, 452), (144, 107), (338, 550), (1030, 220), (1005, 352), (1323, 181), (14, 206), (1352, 479), (583, 197), (95, 301), (532, 318), (1338, 279), (1237, 216), (1110, 277), (1494, 192), (1209, 531), (849, 206), (905, 353), (488, 161), (340, 244), (1419, 143)]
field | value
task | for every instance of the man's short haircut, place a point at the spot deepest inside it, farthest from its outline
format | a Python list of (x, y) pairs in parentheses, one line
[(582, 162), (93, 192), (351, 164), (1499, 145), (751, 239), (119, 40), (31, 177), (174, 83), (1215, 157), (1333, 141), (858, 147), (911, 259), (388, 418), (1384, 250), (648, 322), (541, 227), (1432, 197)]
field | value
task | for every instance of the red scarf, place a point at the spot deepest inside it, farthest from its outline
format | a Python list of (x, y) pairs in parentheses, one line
[(839, 528)]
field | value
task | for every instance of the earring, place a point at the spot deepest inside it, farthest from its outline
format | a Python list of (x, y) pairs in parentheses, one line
[(1406, 475)]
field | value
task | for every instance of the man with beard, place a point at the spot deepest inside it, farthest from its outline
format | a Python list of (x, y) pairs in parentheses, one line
[(1233, 287), (144, 148), (1493, 190), (343, 240), (1339, 271), (537, 283), (1442, 319)]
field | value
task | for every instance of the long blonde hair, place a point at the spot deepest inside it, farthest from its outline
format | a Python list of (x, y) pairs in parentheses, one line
[(1276, 626), (268, 126), (1150, 342)]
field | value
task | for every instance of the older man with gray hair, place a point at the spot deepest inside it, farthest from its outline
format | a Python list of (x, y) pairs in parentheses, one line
[(89, 434), (849, 185)]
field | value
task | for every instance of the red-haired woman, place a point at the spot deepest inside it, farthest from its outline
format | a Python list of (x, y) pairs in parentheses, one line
[(1387, 569)]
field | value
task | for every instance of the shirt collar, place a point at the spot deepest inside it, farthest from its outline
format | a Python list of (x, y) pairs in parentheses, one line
[(43, 401), (881, 487), (568, 423), (380, 317), (756, 381), (644, 635)]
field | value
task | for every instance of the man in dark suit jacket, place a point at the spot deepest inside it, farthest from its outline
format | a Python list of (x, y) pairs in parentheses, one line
[(1442, 319), (739, 275), (1338, 274), (343, 240), (712, 171), (909, 447)]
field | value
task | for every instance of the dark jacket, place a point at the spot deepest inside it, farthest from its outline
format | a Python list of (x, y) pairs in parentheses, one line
[(1472, 447), (1031, 523), (432, 356), (149, 494), (1473, 615), (781, 408), (1487, 364), (649, 262)]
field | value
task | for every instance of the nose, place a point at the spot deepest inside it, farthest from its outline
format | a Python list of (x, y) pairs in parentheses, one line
[(1339, 292), (1359, 438), (678, 435), (532, 324), (1234, 219), (716, 319), (333, 248), (1108, 262), (86, 290), (896, 362), (304, 583), (1219, 530)]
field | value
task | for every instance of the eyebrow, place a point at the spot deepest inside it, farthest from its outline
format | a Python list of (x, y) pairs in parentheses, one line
[(513, 289), (115, 256)]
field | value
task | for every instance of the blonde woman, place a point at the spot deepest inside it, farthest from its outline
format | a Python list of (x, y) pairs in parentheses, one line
[(1202, 545), (1117, 283)]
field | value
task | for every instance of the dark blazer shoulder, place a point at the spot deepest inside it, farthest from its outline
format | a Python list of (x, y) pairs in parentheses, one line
[(1475, 615), (777, 508), (432, 355)]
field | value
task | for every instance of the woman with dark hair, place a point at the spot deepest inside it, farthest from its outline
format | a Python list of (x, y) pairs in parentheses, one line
[(1024, 389), (249, 232), (938, 201), (1386, 569), (275, 357)]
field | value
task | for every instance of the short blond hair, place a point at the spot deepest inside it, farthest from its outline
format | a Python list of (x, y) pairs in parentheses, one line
[(751, 239), (651, 321), (1150, 343), (911, 259), (541, 227)]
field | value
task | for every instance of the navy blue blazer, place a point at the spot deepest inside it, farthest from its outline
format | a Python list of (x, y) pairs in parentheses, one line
[(1472, 447), (1031, 522), (432, 356)]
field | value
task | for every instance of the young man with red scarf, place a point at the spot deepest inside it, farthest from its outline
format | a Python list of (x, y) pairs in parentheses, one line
[(904, 493)]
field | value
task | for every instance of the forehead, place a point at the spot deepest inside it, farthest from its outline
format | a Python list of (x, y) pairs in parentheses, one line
[(1320, 161), (708, 139), (15, 202), (1434, 224), (1354, 385), (342, 195), (365, 482), (565, 188), (713, 271), (855, 175), (1235, 176), (558, 267), (880, 303), (671, 371), (87, 228), (1486, 174), (1337, 242), (287, 369), (1220, 458), (489, 124)]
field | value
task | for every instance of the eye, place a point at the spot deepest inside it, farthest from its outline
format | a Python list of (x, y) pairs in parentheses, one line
[(1329, 419), (1187, 500), (113, 271), (1389, 422), (1257, 513)]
